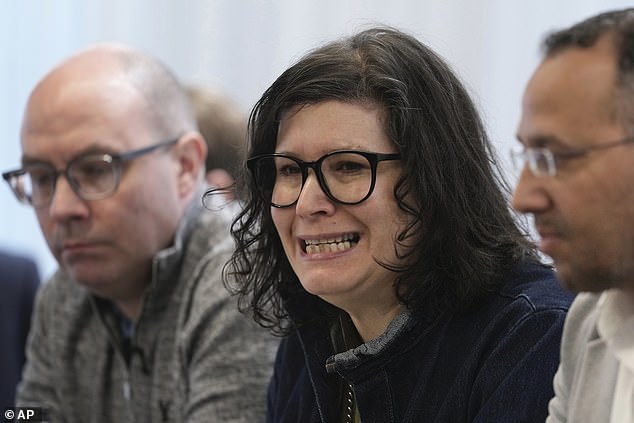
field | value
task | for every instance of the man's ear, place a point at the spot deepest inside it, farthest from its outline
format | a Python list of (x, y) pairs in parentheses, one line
[(191, 152)]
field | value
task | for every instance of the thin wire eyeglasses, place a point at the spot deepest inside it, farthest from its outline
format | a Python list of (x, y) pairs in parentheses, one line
[(346, 176), (542, 161), (91, 176)]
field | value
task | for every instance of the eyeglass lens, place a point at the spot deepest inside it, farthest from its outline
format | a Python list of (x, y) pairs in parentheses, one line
[(348, 178), (91, 177), (540, 160)]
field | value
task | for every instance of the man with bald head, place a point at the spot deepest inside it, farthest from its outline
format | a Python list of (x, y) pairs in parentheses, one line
[(136, 325)]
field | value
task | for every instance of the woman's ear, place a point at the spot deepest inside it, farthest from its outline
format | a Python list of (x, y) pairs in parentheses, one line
[(191, 152)]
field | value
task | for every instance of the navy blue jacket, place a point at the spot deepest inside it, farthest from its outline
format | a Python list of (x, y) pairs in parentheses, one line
[(19, 280), (495, 364)]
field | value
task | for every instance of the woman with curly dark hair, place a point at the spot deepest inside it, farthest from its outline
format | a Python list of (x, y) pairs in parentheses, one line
[(376, 237)]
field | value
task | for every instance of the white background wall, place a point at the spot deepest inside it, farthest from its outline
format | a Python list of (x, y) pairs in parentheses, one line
[(241, 46)]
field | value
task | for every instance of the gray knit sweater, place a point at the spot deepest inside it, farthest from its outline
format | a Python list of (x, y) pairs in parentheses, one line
[(192, 356)]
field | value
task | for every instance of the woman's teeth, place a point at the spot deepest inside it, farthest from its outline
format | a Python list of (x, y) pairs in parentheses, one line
[(331, 245)]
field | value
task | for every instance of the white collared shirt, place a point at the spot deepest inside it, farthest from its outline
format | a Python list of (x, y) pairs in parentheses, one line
[(616, 327)]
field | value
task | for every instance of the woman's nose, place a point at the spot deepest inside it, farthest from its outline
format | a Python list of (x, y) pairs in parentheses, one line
[(312, 198)]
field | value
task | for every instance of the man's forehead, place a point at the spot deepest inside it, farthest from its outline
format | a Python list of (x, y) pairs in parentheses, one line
[(574, 71), (573, 89), (84, 117), (62, 104)]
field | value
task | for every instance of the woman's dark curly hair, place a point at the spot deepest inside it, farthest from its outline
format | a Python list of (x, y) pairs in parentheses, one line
[(461, 237)]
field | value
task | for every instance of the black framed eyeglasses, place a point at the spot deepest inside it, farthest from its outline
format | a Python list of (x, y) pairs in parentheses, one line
[(346, 176), (542, 161), (91, 176)]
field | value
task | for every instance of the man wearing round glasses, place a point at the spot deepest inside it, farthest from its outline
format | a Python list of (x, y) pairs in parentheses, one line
[(136, 324), (577, 161)]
